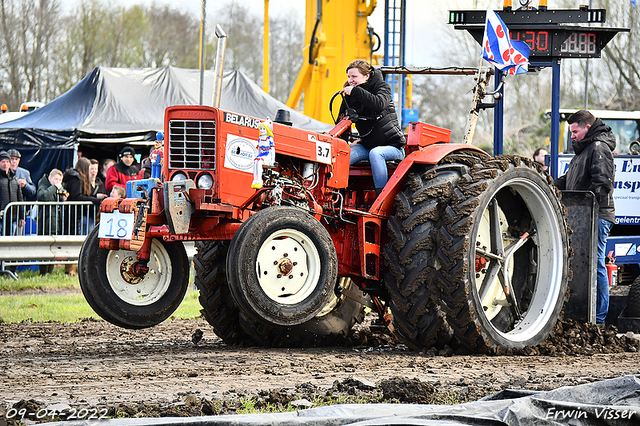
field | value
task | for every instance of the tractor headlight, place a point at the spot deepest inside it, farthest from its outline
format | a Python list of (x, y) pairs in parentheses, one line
[(205, 181), (178, 176)]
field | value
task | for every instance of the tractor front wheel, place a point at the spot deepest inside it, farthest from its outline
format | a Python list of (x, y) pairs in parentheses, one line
[(282, 267), (131, 300), (330, 325)]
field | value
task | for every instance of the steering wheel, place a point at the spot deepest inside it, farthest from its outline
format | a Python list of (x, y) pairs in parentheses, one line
[(339, 92), (350, 112), (634, 148)]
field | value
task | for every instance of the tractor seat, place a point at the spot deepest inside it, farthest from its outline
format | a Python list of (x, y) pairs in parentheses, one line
[(363, 168), (366, 163)]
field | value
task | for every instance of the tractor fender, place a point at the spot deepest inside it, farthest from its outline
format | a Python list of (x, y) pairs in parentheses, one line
[(431, 154)]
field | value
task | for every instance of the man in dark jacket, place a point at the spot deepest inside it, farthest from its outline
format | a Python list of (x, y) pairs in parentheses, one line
[(50, 189), (10, 191), (23, 175), (592, 169)]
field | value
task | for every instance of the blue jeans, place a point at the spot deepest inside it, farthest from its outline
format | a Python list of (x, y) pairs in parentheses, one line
[(378, 157), (86, 225), (602, 302)]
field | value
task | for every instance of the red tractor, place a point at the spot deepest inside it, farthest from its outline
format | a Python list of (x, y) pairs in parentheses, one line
[(460, 248)]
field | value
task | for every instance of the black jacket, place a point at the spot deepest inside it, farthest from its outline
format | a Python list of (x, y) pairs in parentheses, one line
[(49, 216), (592, 169), (10, 191), (372, 99), (9, 188), (72, 182)]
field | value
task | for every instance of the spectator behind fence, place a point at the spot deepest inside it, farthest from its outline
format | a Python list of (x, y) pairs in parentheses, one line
[(124, 170), (97, 183), (50, 216), (539, 156), (118, 192), (10, 191), (23, 175), (78, 183), (106, 164)]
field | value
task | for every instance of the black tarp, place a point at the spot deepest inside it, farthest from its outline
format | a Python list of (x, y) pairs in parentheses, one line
[(607, 402), (114, 106)]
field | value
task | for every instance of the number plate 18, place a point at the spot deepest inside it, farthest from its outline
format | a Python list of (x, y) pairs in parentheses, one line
[(116, 225)]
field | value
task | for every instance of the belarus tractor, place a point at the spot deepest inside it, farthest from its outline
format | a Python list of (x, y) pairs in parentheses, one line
[(459, 249)]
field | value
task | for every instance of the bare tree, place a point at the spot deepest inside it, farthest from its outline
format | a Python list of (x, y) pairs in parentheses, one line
[(28, 29), (285, 57), (244, 45), (172, 38), (11, 59)]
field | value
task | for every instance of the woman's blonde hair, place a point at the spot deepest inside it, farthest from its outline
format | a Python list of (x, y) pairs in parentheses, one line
[(363, 66), (266, 127)]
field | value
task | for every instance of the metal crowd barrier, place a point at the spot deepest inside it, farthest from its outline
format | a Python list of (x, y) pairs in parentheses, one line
[(52, 233)]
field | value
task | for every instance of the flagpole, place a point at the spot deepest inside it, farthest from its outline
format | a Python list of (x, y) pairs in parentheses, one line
[(586, 78), (478, 94), (203, 59)]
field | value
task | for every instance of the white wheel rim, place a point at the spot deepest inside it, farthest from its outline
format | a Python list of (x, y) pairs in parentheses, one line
[(343, 282), (550, 262), (152, 286), (495, 299), (284, 249)]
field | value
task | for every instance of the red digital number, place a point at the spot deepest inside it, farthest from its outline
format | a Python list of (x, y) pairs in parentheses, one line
[(538, 41), (543, 40), (530, 39)]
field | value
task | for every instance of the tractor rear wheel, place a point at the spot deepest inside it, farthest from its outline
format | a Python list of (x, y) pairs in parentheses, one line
[(125, 299), (633, 301), (504, 256), (410, 256), (218, 306), (331, 324)]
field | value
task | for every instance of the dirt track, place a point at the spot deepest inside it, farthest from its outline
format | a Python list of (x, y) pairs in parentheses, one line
[(160, 371)]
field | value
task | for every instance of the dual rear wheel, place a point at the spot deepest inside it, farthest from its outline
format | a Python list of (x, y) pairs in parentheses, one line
[(492, 273)]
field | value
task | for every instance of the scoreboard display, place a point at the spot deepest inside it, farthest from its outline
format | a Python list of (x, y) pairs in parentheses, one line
[(564, 41), (546, 32)]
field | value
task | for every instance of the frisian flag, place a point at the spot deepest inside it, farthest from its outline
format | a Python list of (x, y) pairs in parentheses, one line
[(498, 48)]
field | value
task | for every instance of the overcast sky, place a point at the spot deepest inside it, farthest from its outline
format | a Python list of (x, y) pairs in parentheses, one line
[(426, 19)]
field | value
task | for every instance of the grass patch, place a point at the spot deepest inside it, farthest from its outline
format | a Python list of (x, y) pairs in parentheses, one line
[(70, 308), (32, 280)]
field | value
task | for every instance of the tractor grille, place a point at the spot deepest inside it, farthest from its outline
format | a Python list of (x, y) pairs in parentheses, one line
[(192, 144)]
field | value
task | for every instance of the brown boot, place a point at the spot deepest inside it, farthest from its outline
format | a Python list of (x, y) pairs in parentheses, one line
[(71, 269)]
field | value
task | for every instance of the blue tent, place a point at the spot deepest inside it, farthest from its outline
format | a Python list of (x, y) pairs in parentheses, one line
[(112, 107)]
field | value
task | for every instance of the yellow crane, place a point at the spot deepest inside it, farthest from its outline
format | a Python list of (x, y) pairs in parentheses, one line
[(337, 32)]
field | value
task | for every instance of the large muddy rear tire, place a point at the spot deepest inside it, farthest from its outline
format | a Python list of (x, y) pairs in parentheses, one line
[(218, 306), (410, 256), (633, 301), (505, 228)]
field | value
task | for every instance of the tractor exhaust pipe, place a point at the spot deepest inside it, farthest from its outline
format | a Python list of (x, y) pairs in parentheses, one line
[(217, 78)]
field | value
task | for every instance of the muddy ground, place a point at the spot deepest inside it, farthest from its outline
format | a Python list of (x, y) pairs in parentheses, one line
[(101, 368)]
